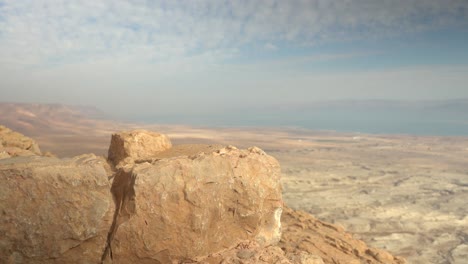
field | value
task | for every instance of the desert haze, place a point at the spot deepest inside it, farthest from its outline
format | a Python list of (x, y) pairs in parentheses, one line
[(406, 194)]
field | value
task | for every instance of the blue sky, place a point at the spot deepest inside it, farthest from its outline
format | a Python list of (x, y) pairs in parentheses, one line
[(130, 57)]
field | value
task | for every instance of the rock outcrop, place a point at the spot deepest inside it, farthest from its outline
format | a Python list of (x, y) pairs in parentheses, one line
[(54, 211), (154, 203), (250, 252), (136, 145), (183, 208), (304, 233), (13, 144)]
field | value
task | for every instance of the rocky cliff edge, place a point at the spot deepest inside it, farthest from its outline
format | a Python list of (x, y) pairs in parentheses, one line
[(152, 202)]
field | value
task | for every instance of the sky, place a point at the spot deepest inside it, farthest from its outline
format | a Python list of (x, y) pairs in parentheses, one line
[(132, 58)]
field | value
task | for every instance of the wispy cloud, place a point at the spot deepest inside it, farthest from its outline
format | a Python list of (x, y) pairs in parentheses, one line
[(271, 47), (65, 32), (155, 56)]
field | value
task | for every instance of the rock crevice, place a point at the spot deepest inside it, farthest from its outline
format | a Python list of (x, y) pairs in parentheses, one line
[(124, 199)]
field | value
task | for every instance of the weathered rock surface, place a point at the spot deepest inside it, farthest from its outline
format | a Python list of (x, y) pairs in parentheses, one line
[(184, 208), (186, 204), (54, 211), (136, 145), (303, 232), (14, 144), (251, 253)]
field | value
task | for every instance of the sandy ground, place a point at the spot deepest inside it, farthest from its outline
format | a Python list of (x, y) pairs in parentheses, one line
[(405, 194)]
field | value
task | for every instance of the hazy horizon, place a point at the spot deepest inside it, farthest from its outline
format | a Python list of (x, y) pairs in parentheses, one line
[(173, 58), (434, 117), (437, 118)]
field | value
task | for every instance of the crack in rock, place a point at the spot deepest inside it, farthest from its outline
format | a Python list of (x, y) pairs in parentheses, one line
[(123, 193)]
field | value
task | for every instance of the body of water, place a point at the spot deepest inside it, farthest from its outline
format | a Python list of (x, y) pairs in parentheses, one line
[(447, 119)]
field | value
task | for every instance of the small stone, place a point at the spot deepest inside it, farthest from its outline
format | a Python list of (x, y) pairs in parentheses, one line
[(256, 150), (136, 145), (245, 254)]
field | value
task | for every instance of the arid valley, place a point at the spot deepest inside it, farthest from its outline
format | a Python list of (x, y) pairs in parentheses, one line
[(406, 194)]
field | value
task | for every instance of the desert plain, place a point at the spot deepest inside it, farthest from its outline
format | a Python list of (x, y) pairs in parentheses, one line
[(403, 193)]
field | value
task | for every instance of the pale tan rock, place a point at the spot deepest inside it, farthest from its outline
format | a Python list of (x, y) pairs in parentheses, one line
[(248, 252), (54, 211), (17, 152), (460, 253), (183, 208), (4, 154), (18, 144), (302, 232), (136, 145), (302, 257)]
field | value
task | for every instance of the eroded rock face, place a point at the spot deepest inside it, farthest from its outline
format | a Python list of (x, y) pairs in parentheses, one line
[(13, 144), (249, 252), (183, 208), (136, 145), (190, 203), (304, 233), (54, 211)]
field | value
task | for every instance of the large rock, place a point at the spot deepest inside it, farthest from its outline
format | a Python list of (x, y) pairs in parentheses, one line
[(188, 203), (14, 144), (54, 211), (136, 145), (186, 207)]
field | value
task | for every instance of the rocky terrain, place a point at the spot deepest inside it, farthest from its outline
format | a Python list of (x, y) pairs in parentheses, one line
[(50, 124), (407, 195), (158, 203), (403, 193), (14, 144)]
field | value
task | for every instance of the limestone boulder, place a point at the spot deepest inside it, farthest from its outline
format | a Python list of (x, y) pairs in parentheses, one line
[(184, 208), (54, 211), (127, 147), (16, 144)]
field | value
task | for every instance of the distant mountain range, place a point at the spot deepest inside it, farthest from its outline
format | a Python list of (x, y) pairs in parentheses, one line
[(437, 117), (36, 119)]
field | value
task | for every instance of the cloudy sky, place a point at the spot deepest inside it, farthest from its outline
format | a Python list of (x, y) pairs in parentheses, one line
[(134, 57)]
